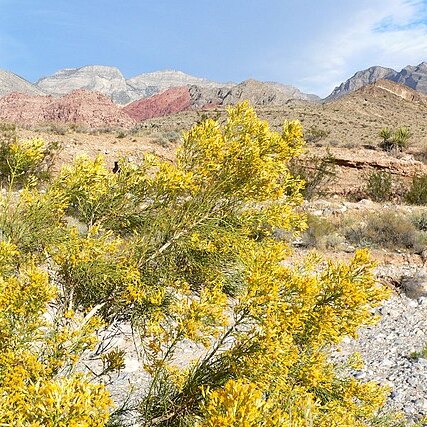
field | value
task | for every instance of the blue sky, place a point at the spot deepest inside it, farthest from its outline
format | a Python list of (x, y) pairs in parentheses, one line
[(312, 44)]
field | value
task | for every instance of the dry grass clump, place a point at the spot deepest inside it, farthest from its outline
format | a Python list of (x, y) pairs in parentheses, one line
[(322, 233), (386, 230)]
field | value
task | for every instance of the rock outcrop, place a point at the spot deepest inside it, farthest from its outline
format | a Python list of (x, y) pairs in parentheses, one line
[(106, 80), (90, 109), (168, 102), (10, 82), (360, 79)]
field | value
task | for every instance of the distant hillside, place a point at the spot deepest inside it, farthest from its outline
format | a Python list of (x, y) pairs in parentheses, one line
[(148, 84), (360, 79), (184, 98), (111, 82), (380, 99), (90, 109), (10, 82), (414, 77), (107, 80), (168, 102)]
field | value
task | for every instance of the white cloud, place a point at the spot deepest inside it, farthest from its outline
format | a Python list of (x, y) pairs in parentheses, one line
[(390, 33)]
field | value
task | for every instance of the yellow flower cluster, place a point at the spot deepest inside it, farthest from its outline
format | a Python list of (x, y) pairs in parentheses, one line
[(35, 353)]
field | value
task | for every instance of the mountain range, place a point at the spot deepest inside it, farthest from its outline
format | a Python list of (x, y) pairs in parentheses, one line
[(66, 96), (110, 82), (414, 77)]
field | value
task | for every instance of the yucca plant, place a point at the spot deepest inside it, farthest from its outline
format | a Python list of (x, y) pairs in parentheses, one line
[(394, 140)]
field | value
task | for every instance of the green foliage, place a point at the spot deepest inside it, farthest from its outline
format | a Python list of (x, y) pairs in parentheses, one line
[(32, 219), (379, 186), (417, 193), (24, 162), (394, 140), (415, 355), (316, 172)]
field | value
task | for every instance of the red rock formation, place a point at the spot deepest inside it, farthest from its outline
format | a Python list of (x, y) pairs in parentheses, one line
[(86, 108), (170, 101)]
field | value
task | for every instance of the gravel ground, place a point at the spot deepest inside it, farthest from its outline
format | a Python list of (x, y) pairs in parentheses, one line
[(389, 349)]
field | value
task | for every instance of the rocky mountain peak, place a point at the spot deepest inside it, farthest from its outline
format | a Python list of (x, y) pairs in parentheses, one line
[(104, 79), (413, 76), (10, 82), (360, 79)]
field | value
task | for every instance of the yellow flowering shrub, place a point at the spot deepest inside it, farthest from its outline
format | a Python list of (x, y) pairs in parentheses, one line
[(24, 161), (38, 354), (32, 219), (186, 252), (96, 268)]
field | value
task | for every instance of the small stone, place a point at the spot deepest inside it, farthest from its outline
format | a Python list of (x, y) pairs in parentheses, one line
[(394, 394), (387, 363), (359, 375)]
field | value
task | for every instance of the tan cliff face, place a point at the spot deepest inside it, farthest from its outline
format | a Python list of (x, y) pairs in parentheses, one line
[(401, 91)]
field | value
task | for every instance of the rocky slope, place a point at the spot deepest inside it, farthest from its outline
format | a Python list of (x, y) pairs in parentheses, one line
[(89, 109), (197, 97), (360, 79), (10, 82), (106, 80), (414, 77), (168, 102)]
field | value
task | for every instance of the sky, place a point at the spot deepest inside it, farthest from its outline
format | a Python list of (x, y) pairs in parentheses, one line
[(311, 44)]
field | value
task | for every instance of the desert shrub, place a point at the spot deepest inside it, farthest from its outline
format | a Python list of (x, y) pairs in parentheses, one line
[(386, 229), (32, 219), (417, 193), (394, 140), (420, 220), (315, 134), (39, 352), (24, 161), (321, 233), (186, 252), (317, 172), (378, 186), (95, 268)]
